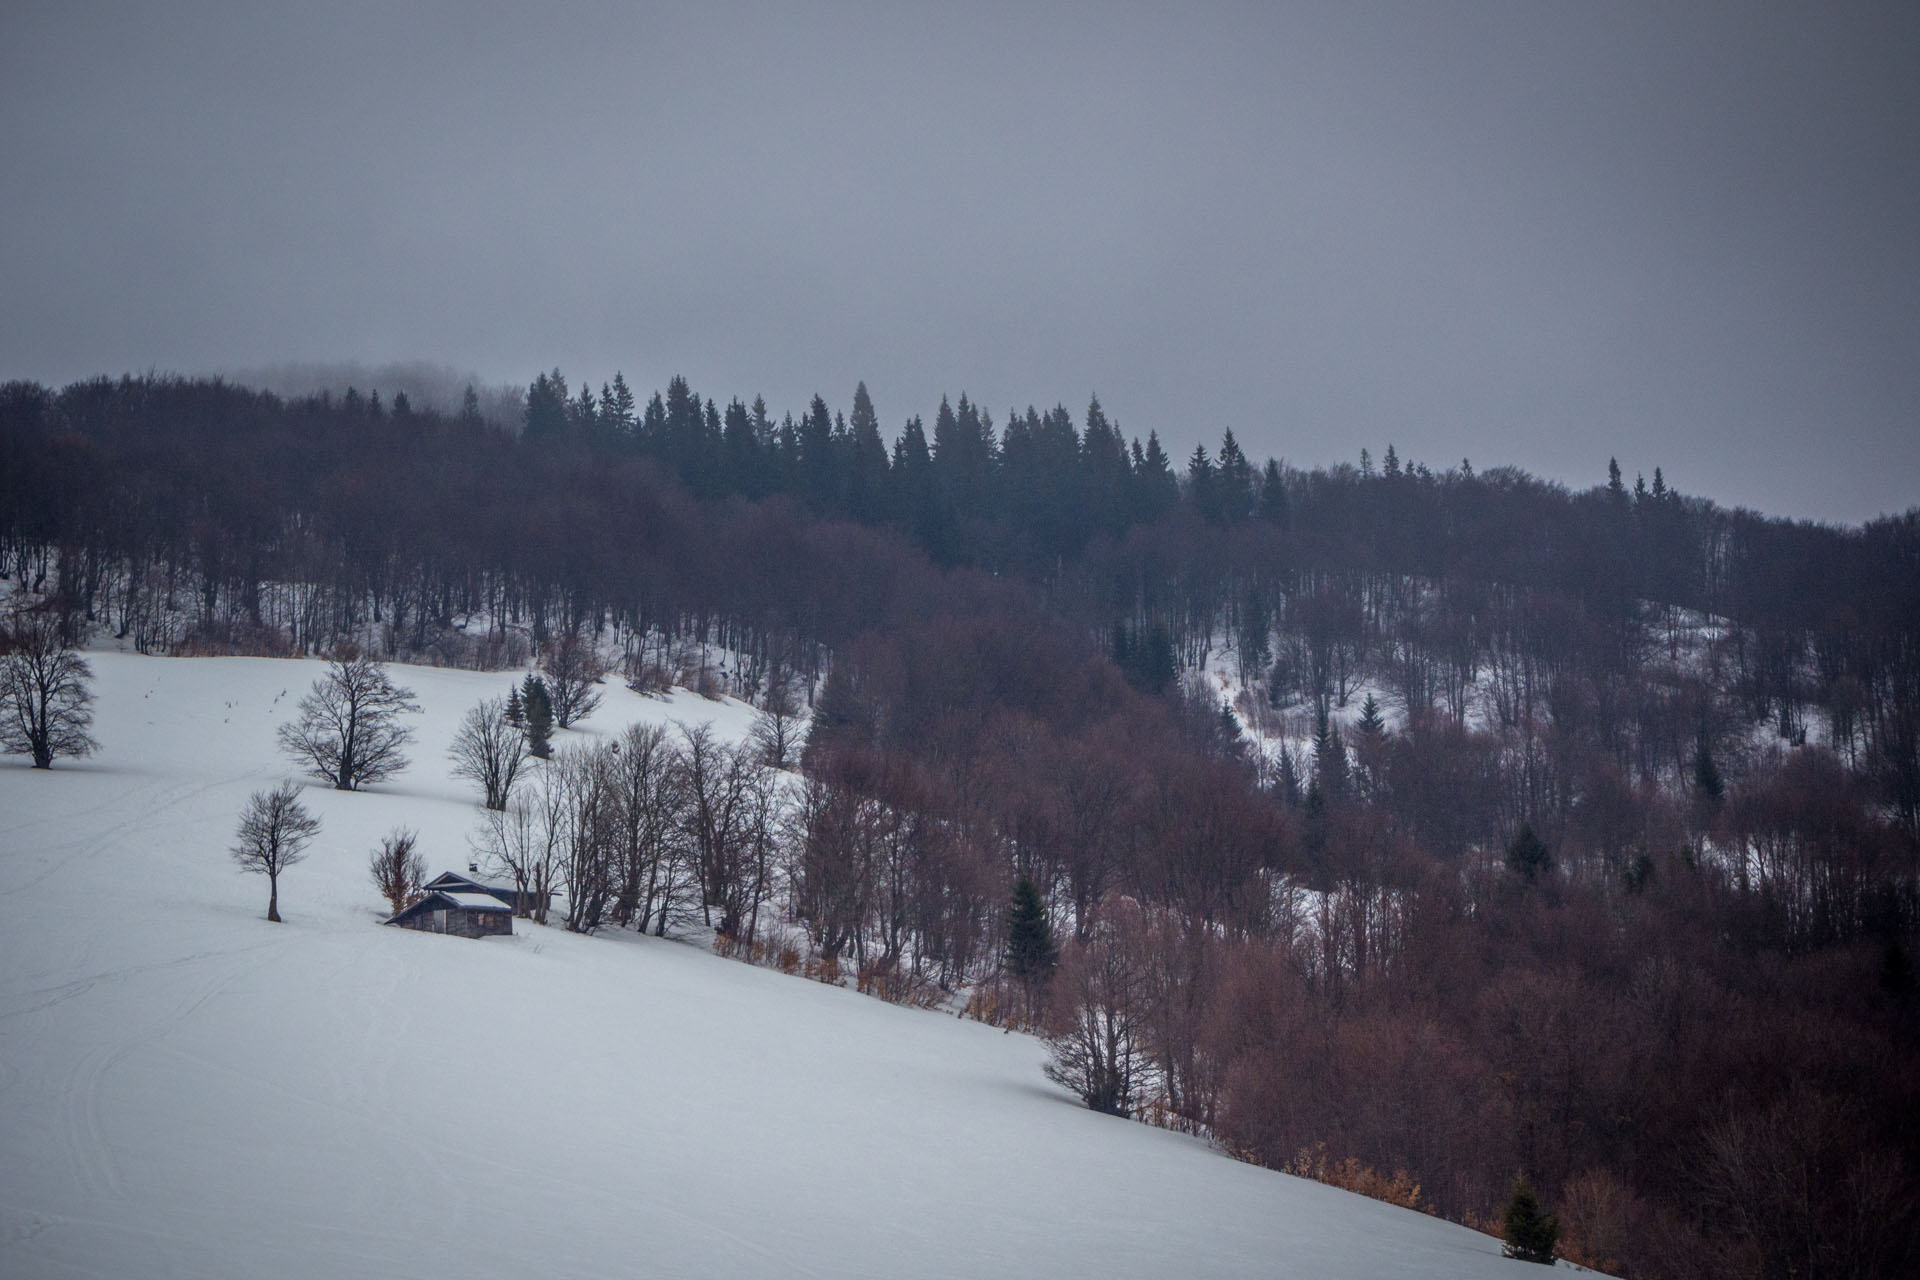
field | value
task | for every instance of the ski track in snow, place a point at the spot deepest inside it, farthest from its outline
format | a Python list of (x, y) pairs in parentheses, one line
[(186, 1090)]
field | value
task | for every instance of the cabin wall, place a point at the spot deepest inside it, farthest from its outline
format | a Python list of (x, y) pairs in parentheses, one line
[(462, 923)]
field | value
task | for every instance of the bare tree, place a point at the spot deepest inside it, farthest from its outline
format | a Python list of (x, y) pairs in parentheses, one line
[(397, 870), (43, 693), (589, 832), (573, 667), (648, 783), (348, 732), (779, 729), (490, 750), (524, 841), (1098, 1033), (727, 827), (274, 832)]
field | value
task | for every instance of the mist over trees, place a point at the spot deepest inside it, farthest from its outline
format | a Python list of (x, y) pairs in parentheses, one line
[(1566, 833)]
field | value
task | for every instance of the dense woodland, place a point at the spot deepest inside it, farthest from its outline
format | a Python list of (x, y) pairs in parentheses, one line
[(1572, 834)]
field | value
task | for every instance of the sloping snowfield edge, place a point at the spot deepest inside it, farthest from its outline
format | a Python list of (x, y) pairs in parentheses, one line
[(187, 1090)]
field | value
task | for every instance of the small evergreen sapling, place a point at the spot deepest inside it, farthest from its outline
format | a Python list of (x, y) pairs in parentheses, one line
[(1530, 1235)]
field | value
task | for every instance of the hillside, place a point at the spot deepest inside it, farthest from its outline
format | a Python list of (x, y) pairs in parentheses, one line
[(186, 1089)]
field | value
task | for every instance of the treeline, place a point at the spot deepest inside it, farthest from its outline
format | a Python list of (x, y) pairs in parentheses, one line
[(1612, 882)]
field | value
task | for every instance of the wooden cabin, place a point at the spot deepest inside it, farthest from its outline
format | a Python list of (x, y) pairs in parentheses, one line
[(470, 915), (453, 882)]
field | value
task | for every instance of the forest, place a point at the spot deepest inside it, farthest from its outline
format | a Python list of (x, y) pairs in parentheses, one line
[(1408, 827)]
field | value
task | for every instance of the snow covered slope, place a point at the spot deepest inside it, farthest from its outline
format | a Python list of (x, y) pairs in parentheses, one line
[(187, 1090)]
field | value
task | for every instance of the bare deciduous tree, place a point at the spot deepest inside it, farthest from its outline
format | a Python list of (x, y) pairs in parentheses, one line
[(524, 842), (274, 832), (589, 832), (489, 749), (728, 825), (43, 693), (779, 729), (649, 784), (348, 732), (398, 871), (573, 667), (1098, 1023)]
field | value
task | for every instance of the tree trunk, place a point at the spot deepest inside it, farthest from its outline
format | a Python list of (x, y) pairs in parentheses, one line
[(273, 899)]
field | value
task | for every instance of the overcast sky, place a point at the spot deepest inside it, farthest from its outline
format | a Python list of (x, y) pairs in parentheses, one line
[(1534, 233)]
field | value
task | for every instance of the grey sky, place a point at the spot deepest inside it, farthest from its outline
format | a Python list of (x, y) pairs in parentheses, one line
[(1538, 233)]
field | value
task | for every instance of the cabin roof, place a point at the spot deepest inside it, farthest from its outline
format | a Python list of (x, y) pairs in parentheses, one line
[(451, 879), (440, 899), (475, 901)]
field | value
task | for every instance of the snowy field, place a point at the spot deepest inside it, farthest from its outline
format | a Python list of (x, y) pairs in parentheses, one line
[(187, 1090)]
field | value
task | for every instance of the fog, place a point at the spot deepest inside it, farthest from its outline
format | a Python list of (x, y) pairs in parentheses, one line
[(1521, 233)]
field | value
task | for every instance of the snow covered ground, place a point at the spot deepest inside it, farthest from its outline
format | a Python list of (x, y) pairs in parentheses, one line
[(187, 1090)]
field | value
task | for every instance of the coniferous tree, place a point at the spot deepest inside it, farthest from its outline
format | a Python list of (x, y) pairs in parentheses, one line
[(1529, 1235), (910, 480), (1273, 497), (1157, 489), (1253, 642), (1371, 724), (1706, 774), (740, 453), (539, 712), (1528, 854), (1235, 481), (1108, 473), (547, 408), (617, 410), (867, 465), (1330, 771), (1030, 952), (1203, 484)]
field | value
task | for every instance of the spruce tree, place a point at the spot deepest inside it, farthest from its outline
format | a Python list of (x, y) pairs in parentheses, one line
[(1370, 723), (1329, 760), (1528, 854), (516, 709), (1203, 488), (1706, 774), (1155, 487), (1233, 481), (1531, 1236), (1030, 954), (1273, 496), (539, 712)]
